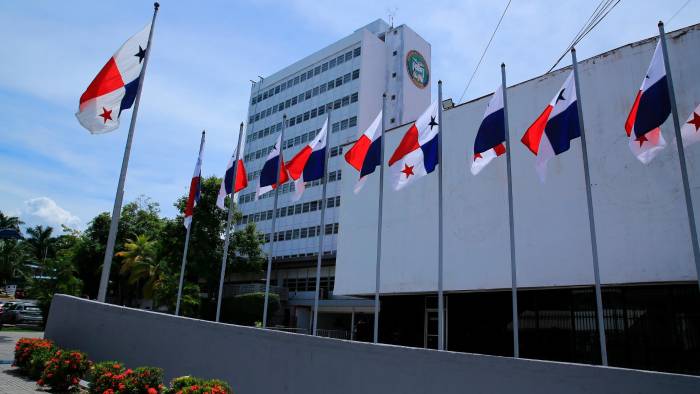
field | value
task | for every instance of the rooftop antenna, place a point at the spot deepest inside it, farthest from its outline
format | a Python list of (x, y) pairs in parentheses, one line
[(391, 13)]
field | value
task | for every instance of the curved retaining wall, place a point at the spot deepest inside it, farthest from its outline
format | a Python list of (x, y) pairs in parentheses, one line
[(260, 361)]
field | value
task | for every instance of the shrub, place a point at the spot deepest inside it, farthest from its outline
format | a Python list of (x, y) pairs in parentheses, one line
[(147, 380), (38, 360), (193, 385), (246, 309), (64, 370), (111, 377), (24, 349)]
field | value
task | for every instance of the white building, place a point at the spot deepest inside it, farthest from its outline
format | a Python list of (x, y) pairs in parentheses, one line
[(348, 76), (650, 291)]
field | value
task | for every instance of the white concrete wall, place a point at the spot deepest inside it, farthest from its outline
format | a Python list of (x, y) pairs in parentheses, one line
[(640, 213), (259, 361)]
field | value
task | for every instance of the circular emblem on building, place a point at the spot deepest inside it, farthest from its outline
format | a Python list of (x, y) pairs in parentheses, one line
[(417, 69)]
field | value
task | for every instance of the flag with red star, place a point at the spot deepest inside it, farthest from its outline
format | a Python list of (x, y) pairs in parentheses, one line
[(114, 88), (690, 131), (552, 132), (491, 137), (650, 110), (417, 153)]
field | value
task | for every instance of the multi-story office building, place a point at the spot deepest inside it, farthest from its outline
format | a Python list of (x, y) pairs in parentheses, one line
[(651, 302), (346, 79)]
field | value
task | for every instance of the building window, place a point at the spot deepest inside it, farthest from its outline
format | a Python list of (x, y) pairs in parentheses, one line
[(346, 101), (340, 59), (302, 77), (322, 88), (324, 67), (356, 74), (296, 80), (346, 78), (309, 74), (395, 53), (393, 75), (348, 56), (356, 52), (313, 113), (331, 63), (338, 81), (314, 92), (317, 70), (336, 104), (352, 121), (393, 97)]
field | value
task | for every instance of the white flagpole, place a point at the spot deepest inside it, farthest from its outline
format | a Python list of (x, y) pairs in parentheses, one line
[(324, 183), (441, 301), (513, 270), (187, 244), (380, 215), (274, 220), (591, 219), (681, 154), (116, 210), (228, 222)]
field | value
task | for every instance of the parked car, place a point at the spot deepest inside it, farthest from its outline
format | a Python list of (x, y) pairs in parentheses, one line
[(22, 313)]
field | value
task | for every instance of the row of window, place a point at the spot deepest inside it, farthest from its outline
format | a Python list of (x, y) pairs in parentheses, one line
[(294, 209), (341, 102), (347, 56), (308, 284), (288, 187), (334, 83), (300, 233)]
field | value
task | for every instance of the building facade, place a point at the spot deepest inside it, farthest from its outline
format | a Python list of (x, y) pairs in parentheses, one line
[(650, 290), (348, 79)]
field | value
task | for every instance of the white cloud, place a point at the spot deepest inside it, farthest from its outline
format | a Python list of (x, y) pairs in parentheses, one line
[(45, 211)]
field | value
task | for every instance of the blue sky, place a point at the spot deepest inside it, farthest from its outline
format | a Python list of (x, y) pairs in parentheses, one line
[(204, 54)]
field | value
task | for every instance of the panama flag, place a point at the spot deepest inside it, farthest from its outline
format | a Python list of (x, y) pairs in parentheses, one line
[(310, 163), (417, 154), (651, 108), (491, 137), (195, 187), (691, 128), (553, 130), (366, 154), (273, 172), (228, 186), (114, 88)]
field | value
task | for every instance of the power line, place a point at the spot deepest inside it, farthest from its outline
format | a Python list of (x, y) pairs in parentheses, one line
[(678, 11), (485, 49), (596, 17)]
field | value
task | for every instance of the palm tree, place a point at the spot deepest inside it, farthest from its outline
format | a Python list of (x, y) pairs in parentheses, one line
[(40, 241), (139, 263), (12, 222), (12, 258)]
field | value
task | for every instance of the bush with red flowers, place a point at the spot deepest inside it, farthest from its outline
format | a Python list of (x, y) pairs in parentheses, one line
[(63, 371), (193, 385), (112, 377), (26, 347)]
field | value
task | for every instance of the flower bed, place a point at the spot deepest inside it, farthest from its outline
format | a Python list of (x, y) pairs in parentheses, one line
[(61, 371)]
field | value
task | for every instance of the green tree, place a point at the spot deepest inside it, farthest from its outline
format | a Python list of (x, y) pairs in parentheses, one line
[(207, 240), (13, 254), (12, 222), (40, 242)]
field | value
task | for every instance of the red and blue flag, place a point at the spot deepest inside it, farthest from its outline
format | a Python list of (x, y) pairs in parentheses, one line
[(365, 155)]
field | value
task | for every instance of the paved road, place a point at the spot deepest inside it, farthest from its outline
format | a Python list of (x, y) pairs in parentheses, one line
[(10, 381)]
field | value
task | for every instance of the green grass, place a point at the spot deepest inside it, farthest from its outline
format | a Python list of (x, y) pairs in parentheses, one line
[(21, 329)]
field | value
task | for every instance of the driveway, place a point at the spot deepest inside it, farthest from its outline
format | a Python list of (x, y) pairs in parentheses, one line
[(10, 381)]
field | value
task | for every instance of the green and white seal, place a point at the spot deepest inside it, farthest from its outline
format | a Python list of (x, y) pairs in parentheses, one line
[(417, 69)]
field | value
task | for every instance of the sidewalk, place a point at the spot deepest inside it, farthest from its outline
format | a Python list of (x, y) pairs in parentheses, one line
[(10, 381)]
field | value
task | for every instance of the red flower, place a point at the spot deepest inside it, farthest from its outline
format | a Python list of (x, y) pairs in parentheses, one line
[(152, 391), (40, 382)]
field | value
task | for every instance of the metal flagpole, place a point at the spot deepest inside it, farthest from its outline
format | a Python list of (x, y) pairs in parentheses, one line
[(441, 301), (323, 220), (380, 215), (274, 220), (184, 253), (591, 219), (116, 210), (228, 222), (513, 271), (681, 154)]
